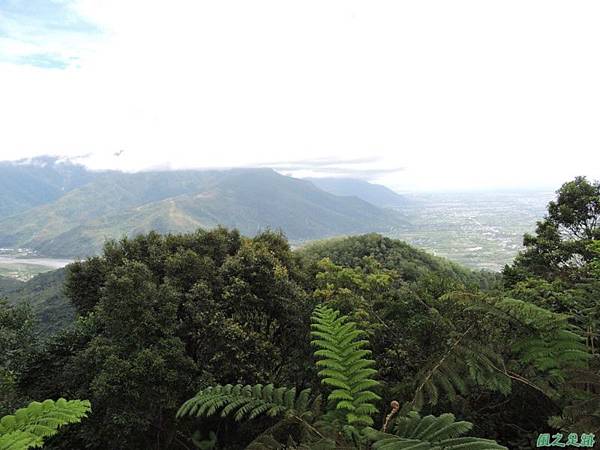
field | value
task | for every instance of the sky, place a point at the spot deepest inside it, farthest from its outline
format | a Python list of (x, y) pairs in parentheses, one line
[(418, 95)]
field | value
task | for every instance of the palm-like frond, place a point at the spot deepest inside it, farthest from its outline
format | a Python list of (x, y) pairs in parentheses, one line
[(306, 437), (246, 402), (430, 432), (547, 341), (583, 414), (29, 426), (465, 363), (345, 367)]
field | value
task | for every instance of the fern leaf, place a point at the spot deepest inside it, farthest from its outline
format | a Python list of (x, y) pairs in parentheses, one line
[(29, 426), (343, 356), (430, 432), (246, 402), (546, 340)]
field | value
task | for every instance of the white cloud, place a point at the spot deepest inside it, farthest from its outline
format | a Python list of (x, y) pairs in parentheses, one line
[(459, 94), (43, 33)]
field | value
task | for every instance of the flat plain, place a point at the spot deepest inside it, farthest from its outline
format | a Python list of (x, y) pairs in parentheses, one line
[(481, 230)]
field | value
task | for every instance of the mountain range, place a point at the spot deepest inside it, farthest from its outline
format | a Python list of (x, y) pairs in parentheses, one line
[(376, 194), (61, 209)]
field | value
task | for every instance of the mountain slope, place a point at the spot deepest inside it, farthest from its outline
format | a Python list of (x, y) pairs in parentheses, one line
[(116, 204), (44, 293), (256, 199), (110, 193), (373, 193), (412, 263), (9, 284), (29, 183)]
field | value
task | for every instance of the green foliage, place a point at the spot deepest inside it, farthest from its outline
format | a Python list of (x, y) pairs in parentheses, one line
[(345, 368), (430, 433), (9, 284), (29, 426), (583, 412), (49, 304), (409, 262), (355, 291), (17, 343), (464, 364), (560, 247), (545, 340), (343, 363), (247, 402), (161, 316), (216, 309)]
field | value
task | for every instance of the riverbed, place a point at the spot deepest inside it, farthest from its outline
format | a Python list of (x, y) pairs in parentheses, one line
[(26, 267)]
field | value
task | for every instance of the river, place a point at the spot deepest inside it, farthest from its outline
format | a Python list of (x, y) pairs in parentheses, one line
[(51, 263)]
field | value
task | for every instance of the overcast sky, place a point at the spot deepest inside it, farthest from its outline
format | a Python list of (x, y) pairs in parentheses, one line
[(420, 95)]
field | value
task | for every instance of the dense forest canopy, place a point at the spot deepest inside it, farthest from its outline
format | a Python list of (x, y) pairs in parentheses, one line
[(404, 341)]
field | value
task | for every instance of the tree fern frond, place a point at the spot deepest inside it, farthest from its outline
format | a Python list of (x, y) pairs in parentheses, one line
[(543, 339), (246, 402), (18, 440), (343, 357), (465, 362), (430, 432), (30, 425)]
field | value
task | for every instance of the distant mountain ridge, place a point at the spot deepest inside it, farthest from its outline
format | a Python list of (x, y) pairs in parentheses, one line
[(373, 193), (84, 208), (28, 183)]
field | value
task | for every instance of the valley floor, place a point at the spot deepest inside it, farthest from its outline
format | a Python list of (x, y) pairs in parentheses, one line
[(481, 230)]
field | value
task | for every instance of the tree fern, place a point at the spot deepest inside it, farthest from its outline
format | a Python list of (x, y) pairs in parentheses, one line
[(422, 433), (29, 426), (465, 362), (544, 345), (546, 340), (342, 357)]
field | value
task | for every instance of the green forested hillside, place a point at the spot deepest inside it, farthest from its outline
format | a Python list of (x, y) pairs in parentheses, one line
[(45, 294), (411, 263), (9, 284), (115, 204), (52, 224)]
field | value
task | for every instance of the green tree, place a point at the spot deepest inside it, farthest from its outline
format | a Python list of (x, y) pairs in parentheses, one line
[(559, 270), (560, 246), (355, 291), (17, 342), (161, 316)]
